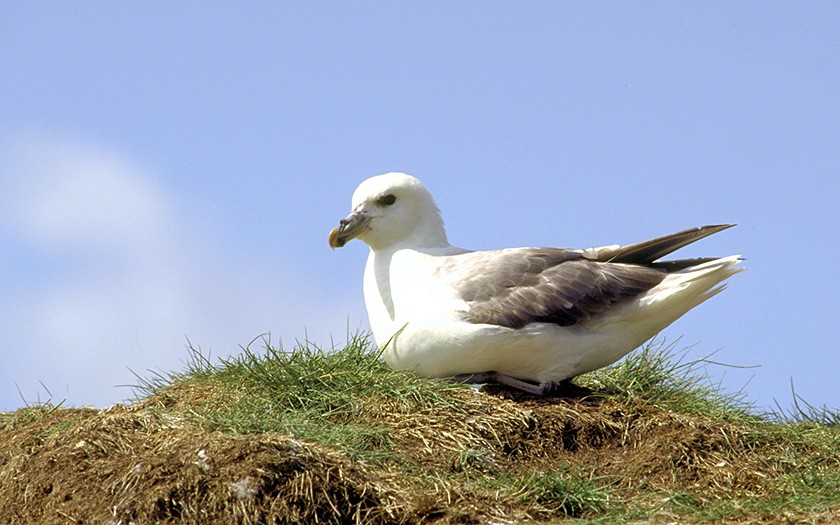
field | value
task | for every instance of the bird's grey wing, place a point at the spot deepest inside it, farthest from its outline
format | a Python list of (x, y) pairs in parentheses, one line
[(513, 288)]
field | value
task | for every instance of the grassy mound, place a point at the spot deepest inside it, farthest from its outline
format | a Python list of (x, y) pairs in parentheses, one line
[(337, 437)]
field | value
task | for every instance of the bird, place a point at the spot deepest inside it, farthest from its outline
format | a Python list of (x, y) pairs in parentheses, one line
[(530, 318)]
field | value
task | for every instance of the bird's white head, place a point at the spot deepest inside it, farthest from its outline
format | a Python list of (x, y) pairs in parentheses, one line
[(392, 210)]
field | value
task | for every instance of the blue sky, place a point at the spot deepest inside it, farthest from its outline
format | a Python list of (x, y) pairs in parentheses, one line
[(170, 171)]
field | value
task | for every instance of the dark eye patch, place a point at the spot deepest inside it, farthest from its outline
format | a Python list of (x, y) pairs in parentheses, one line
[(386, 200)]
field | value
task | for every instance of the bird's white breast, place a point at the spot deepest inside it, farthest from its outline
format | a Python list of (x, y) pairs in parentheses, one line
[(402, 286)]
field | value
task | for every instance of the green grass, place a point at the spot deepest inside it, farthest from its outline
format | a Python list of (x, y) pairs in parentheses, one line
[(654, 440), (804, 412), (327, 397), (348, 400), (661, 375), (563, 491)]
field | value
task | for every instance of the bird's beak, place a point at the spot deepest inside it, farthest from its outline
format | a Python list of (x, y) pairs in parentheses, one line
[(349, 228)]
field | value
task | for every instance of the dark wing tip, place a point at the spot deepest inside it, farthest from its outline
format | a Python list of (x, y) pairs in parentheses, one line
[(647, 252)]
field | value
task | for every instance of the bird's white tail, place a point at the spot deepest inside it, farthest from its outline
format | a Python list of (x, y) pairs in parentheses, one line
[(678, 293)]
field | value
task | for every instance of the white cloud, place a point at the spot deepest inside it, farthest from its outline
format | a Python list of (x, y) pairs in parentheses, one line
[(101, 280), (69, 194)]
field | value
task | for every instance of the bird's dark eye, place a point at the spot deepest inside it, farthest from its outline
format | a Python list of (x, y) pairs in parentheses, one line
[(386, 200)]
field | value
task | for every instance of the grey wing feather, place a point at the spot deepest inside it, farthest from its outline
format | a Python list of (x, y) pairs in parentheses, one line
[(649, 251), (513, 288)]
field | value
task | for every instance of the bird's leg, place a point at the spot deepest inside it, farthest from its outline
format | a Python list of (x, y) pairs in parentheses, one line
[(538, 389), (474, 379)]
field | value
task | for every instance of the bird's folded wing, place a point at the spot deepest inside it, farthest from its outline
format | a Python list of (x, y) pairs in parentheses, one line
[(513, 288)]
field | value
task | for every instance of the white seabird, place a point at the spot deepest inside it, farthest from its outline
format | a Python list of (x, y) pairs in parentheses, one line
[(526, 317)]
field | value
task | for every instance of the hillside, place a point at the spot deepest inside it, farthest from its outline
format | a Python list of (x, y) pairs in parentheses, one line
[(336, 437)]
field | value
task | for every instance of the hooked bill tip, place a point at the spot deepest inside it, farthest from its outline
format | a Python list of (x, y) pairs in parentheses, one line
[(334, 239)]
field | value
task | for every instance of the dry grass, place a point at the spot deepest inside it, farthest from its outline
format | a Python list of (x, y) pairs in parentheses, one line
[(312, 437)]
